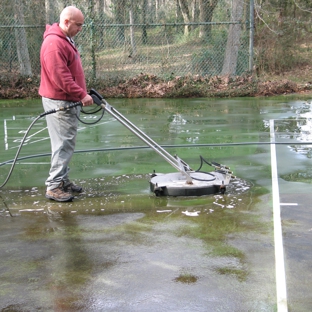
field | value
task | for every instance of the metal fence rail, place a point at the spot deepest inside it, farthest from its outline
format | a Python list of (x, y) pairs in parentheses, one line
[(114, 51)]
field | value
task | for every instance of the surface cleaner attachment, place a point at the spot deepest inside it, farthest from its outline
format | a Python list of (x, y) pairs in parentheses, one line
[(184, 182)]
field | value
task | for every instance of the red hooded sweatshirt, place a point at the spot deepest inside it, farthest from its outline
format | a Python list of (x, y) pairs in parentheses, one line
[(62, 75)]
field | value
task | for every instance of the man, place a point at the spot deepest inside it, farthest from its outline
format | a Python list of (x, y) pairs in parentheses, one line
[(62, 82)]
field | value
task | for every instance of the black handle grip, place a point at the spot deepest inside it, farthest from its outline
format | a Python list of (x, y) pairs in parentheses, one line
[(96, 96), (96, 99), (94, 92)]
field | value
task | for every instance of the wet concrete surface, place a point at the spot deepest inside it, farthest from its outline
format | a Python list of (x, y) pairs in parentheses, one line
[(118, 247), (78, 257)]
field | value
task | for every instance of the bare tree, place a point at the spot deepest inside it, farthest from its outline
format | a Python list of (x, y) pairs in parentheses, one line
[(233, 41), (186, 15), (206, 9), (178, 17), (103, 8), (132, 38), (50, 12), (144, 21), (194, 10), (107, 7), (21, 40), (119, 10)]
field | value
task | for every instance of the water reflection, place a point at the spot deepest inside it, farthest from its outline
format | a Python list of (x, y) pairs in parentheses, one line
[(303, 131)]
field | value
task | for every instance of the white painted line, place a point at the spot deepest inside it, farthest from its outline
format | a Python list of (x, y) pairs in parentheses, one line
[(37, 132), (288, 204), (278, 237), (33, 163), (28, 143), (5, 135)]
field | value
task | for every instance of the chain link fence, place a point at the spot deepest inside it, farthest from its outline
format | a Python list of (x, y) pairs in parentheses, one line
[(123, 38)]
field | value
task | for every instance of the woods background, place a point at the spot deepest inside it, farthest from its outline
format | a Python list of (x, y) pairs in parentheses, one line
[(166, 38)]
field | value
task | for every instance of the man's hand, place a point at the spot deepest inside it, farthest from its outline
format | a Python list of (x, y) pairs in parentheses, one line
[(87, 100)]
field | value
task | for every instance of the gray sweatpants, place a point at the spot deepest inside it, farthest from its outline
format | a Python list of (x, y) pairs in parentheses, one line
[(62, 127)]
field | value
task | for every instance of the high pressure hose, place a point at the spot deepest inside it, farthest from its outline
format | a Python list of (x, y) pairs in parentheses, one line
[(52, 111), (17, 153), (96, 100)]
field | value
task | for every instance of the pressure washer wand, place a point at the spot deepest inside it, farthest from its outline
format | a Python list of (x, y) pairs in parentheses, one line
[(176, 162)]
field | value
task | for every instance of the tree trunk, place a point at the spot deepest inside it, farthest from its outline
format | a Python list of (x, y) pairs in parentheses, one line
[(107, 7), (156, 10), (101, 5), (233, 41), (186, 15), (144, 19), (206, 9), (21, 40), (120, 19), (50, 16), (132, 39), (178, 17)]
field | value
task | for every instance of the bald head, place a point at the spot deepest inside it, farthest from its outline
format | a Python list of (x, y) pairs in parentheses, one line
[(71, 21), (70, 12)]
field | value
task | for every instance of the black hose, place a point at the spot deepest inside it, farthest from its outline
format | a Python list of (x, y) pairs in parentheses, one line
[(52, 111), (18, 151), (89, 113), (109, 149)]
